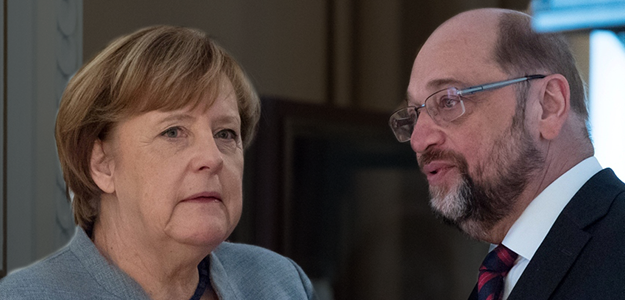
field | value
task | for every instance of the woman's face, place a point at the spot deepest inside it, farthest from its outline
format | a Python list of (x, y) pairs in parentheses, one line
[(177, 175)]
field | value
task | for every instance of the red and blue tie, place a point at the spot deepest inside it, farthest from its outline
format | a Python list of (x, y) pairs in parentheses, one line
[(494, 268)]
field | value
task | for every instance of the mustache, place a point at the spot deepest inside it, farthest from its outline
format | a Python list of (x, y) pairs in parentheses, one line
[(447, 155)]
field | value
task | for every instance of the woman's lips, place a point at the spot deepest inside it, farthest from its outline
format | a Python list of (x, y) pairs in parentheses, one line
[(204, 197)]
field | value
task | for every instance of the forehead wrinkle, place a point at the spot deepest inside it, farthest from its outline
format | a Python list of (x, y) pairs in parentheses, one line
[(178, 117)]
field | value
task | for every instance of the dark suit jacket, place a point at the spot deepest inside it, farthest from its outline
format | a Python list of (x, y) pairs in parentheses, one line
[(583, 255)]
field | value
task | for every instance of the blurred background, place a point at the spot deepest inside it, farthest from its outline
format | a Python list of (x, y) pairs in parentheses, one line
[(325, 181)]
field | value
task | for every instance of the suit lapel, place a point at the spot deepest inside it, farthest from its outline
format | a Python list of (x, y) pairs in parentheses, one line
[(473, 295), (567, 238), (551, 262)]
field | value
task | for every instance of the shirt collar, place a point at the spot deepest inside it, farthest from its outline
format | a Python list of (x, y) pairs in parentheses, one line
[(531, 228)]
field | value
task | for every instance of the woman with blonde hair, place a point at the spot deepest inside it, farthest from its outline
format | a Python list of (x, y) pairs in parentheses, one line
[(150, 136)]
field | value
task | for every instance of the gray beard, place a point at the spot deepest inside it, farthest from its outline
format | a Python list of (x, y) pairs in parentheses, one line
[(475, 206)]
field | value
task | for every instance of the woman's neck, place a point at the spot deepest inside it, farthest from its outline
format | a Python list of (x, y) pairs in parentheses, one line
[(165, 270)]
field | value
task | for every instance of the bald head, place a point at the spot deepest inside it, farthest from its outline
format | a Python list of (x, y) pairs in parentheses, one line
[(472, 23), (498, 41), (459, 51)]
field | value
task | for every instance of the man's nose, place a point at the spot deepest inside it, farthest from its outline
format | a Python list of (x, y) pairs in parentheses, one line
[(425, 134)]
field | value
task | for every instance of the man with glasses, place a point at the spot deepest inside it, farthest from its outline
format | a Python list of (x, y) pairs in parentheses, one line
[(496, 114)]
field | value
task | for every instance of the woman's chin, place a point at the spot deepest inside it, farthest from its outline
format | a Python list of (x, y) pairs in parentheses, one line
[(200, 235), (200, 228)]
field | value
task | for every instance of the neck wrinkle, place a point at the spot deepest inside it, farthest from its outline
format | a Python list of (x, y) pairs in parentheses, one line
[(164, 270)]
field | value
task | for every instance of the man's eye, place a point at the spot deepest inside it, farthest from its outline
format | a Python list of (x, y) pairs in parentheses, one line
[(447, 102)]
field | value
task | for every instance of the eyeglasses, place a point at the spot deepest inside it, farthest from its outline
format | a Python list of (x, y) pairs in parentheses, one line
[(445, 105)]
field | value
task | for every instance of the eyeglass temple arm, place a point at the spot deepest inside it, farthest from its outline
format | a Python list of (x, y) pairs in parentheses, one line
[(490, 86)]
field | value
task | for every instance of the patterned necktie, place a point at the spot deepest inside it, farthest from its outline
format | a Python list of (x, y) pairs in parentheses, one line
[(495, 267)]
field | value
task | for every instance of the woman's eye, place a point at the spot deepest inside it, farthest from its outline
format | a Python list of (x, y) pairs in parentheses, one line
[(227, 134), (172, 132)]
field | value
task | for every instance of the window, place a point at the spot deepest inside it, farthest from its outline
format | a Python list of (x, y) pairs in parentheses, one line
[(607, 99)]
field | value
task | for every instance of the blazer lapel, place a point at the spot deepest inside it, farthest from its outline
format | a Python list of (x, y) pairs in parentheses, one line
[(566, 238)]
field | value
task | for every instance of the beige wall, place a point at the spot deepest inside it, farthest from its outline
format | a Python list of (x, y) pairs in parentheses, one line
[(283, 44), (280, 43), (580, 42), (286, 46)]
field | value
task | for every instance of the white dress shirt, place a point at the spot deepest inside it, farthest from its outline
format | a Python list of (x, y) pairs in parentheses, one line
[(529, 231)]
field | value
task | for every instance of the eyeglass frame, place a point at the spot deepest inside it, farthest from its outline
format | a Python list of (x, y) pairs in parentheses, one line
[(460, 93)]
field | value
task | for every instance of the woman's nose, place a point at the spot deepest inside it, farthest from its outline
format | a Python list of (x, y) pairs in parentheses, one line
[(209, 156)]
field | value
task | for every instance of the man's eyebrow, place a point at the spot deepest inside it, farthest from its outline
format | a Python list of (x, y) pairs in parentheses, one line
[(442, 83), (434, 86), (407, 98), (411, 101)]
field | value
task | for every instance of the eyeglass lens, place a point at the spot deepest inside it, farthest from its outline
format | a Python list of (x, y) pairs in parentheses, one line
[(443, 105), (402, 122)]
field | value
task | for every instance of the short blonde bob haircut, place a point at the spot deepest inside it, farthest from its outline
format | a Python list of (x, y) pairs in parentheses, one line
[(155, 68)]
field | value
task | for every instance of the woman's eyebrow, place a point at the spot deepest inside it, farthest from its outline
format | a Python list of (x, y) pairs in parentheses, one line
[(230, 118), (178, 116)]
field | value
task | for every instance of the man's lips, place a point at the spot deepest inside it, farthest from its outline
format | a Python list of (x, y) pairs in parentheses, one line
[(203, 197), (436, 170)]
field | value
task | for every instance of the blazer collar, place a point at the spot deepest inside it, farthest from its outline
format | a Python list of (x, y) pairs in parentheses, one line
[(105, 273)]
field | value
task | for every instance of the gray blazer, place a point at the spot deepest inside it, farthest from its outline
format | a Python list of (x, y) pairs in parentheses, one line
[(79, 271)]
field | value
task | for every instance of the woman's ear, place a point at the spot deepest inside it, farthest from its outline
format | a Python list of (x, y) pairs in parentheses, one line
[(555, 103), (101, 167)]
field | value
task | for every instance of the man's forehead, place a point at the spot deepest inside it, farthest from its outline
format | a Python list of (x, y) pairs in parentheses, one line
[(458, 53), (472, 33), (478, 20)]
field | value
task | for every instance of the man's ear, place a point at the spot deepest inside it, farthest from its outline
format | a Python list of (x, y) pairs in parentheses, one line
[(555, 103), (101, 167)]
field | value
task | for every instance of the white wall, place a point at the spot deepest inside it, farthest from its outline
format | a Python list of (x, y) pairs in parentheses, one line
[(44, 48)]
